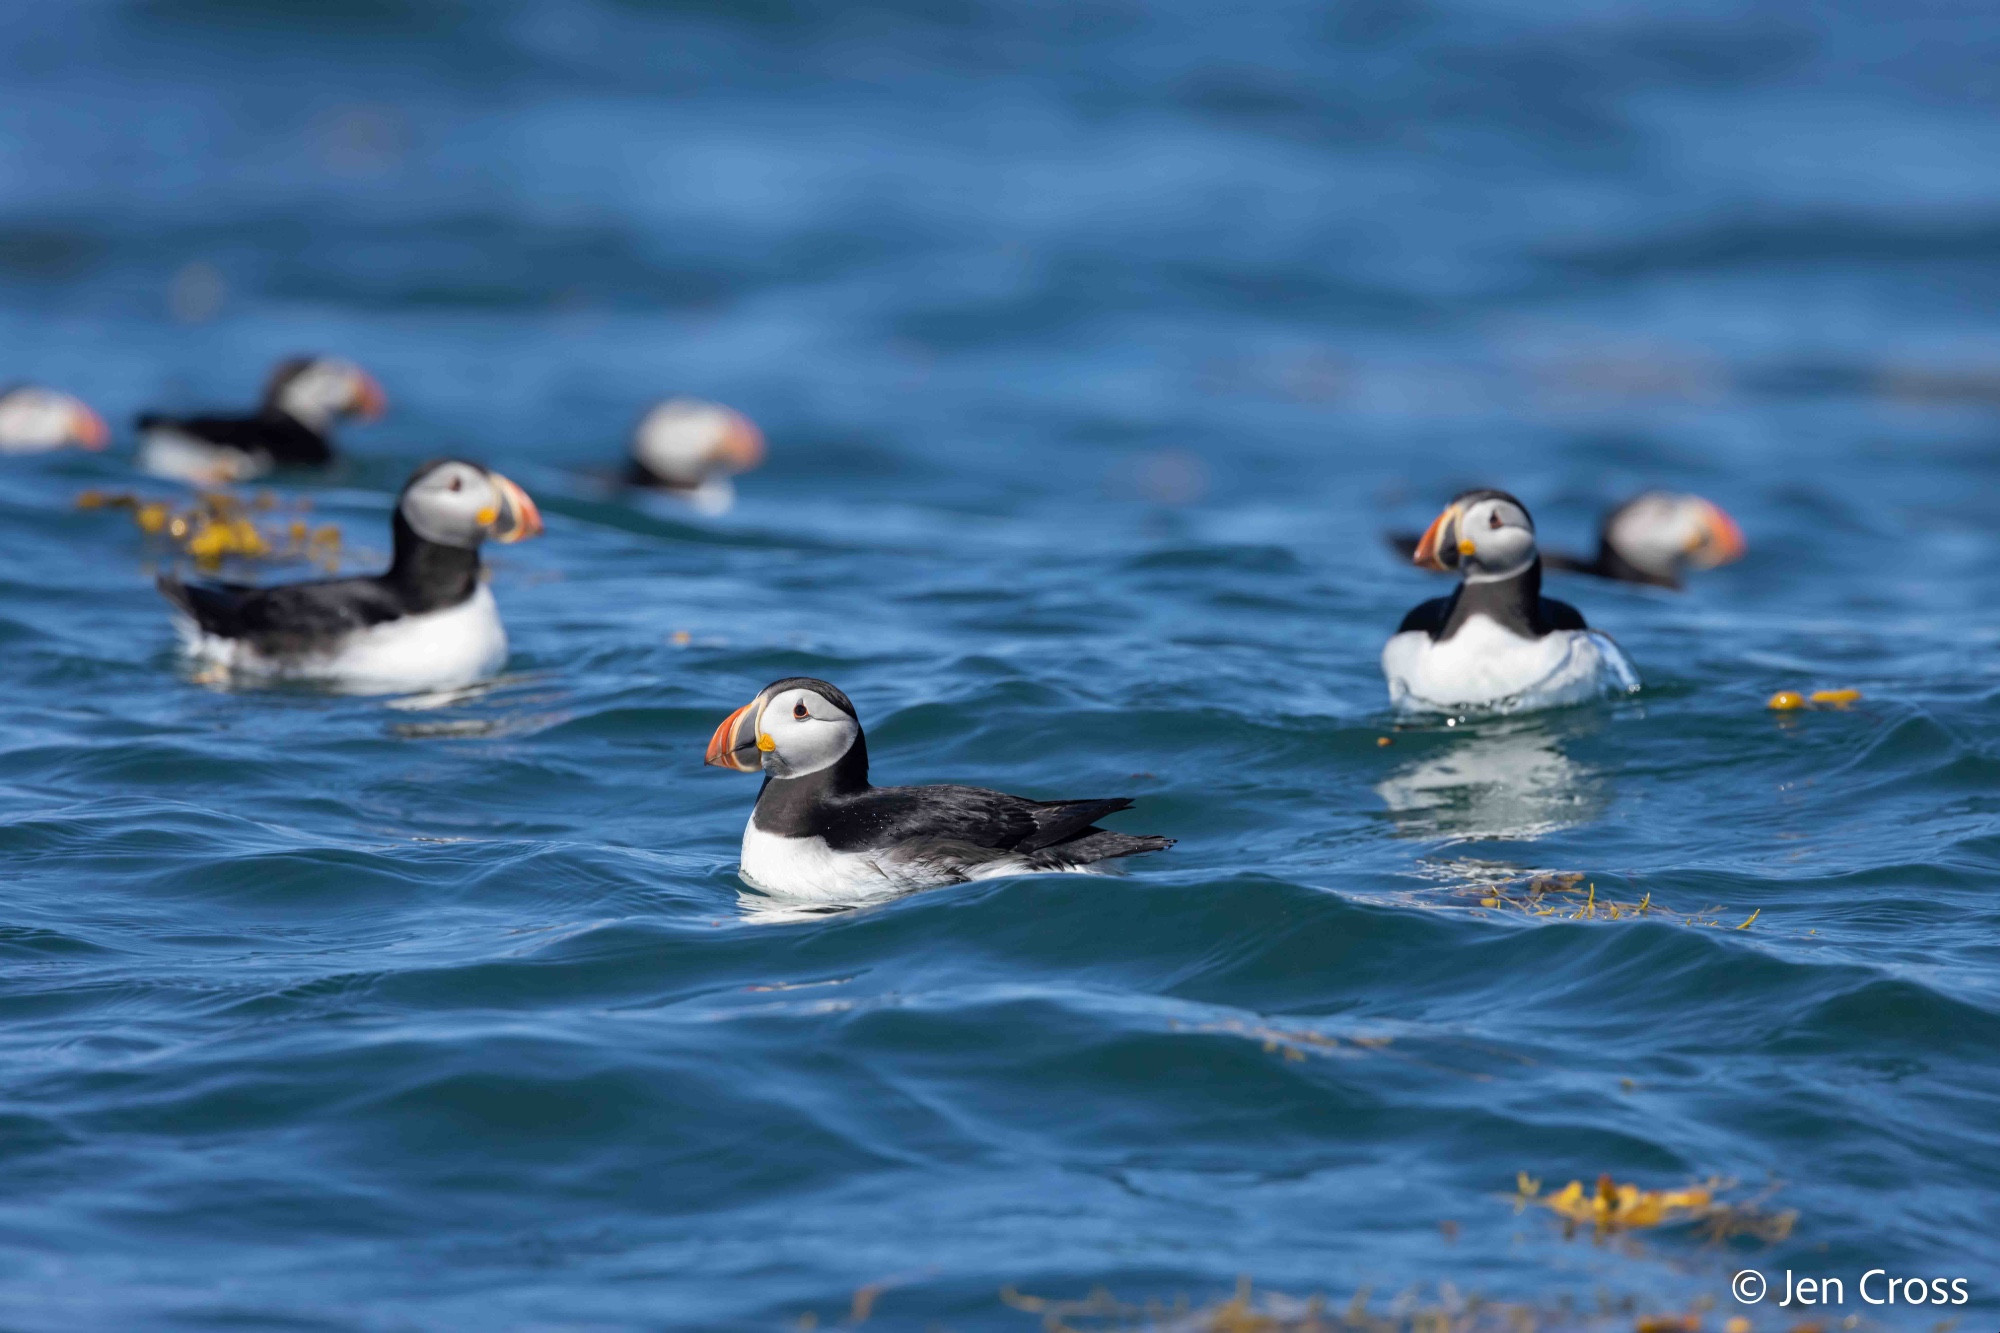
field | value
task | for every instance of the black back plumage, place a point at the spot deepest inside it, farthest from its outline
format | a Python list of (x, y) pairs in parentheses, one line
[(270, 430), (285, 439), (291, 618), (1514, 603)]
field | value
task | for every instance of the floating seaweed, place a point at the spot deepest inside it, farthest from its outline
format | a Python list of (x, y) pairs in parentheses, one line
[(1569, 896), (1612, 1208), (220, 525), (1788, 701)]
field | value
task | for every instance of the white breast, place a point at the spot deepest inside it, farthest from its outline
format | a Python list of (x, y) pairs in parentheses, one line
[(1488, 666), (166, 452), (435, 651), (806, 869)]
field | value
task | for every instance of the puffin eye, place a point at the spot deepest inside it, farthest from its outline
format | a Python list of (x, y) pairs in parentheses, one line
[(1494, 521), (799, 710), (458, 483)]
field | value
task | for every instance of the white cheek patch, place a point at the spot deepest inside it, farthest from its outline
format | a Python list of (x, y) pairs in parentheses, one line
[(32, 419), (809, 744), (319, 393), (451, 518), (679, 438), (1654, 535)]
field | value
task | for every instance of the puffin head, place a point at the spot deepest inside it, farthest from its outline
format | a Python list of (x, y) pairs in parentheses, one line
[(1660, 533), (684, 441), (455, 503), (35, 420), (793, 727), (319, 390), (1484, 535)]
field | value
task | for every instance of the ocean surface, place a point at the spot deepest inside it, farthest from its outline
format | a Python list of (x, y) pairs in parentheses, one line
[(1097, 344)]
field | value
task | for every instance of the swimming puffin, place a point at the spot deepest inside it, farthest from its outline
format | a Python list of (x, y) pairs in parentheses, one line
[(292, 427), (427, 623), (1495, 643), (34, 420), (690, 449), (1655, 536), (819, 831), (1652, 538)]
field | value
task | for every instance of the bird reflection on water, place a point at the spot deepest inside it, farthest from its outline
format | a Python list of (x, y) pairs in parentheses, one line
[(1506, 778)]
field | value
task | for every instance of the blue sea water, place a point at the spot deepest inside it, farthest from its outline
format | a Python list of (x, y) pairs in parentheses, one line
[(1097, 343)]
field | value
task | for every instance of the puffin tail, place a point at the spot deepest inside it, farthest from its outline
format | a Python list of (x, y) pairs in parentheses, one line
[(175, 591), (198, 610), (1104, 845)]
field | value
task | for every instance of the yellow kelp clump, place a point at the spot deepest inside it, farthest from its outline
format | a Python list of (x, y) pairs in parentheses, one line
[(220, 525), (1612, 1208), (1568, 896)]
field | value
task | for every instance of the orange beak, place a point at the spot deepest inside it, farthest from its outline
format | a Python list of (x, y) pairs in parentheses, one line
[(88, 429), (1440, 536), (734, 744), (742, 446), (1721, 540), (518, 518), (369, 400)]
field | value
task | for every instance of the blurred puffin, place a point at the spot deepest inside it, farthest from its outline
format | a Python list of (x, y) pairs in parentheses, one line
[(292, 427), (1496, 642), (819, 831), (34, 420), (1653, 538), (691, 448), (428, 623)]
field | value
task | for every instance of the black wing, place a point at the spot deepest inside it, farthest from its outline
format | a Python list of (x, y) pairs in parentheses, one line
[(1560, 615), (273, 433), (969, 816), (304, 612), (1428, 616)]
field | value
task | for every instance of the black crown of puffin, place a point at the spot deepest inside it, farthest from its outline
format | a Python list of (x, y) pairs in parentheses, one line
[(741, 742), (1445, 543)]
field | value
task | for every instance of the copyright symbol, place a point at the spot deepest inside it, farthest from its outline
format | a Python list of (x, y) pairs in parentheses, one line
[(1747, 1286)]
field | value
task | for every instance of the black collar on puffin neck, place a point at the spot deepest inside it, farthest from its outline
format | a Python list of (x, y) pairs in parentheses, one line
[(428, 575), (1514, 603), (797, 807)]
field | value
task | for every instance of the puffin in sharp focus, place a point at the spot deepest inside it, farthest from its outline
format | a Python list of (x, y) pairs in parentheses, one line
[(690, 449), (819, 831), (35, 420), (1496, 642), (1652, 538), (427, 623), (292, 426)]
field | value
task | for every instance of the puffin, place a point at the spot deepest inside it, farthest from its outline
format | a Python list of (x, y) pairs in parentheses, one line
[(1653, 538), (690, 449), (1496, 643), (426, 623), (35, 420), (820, 832), (292, 427)]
